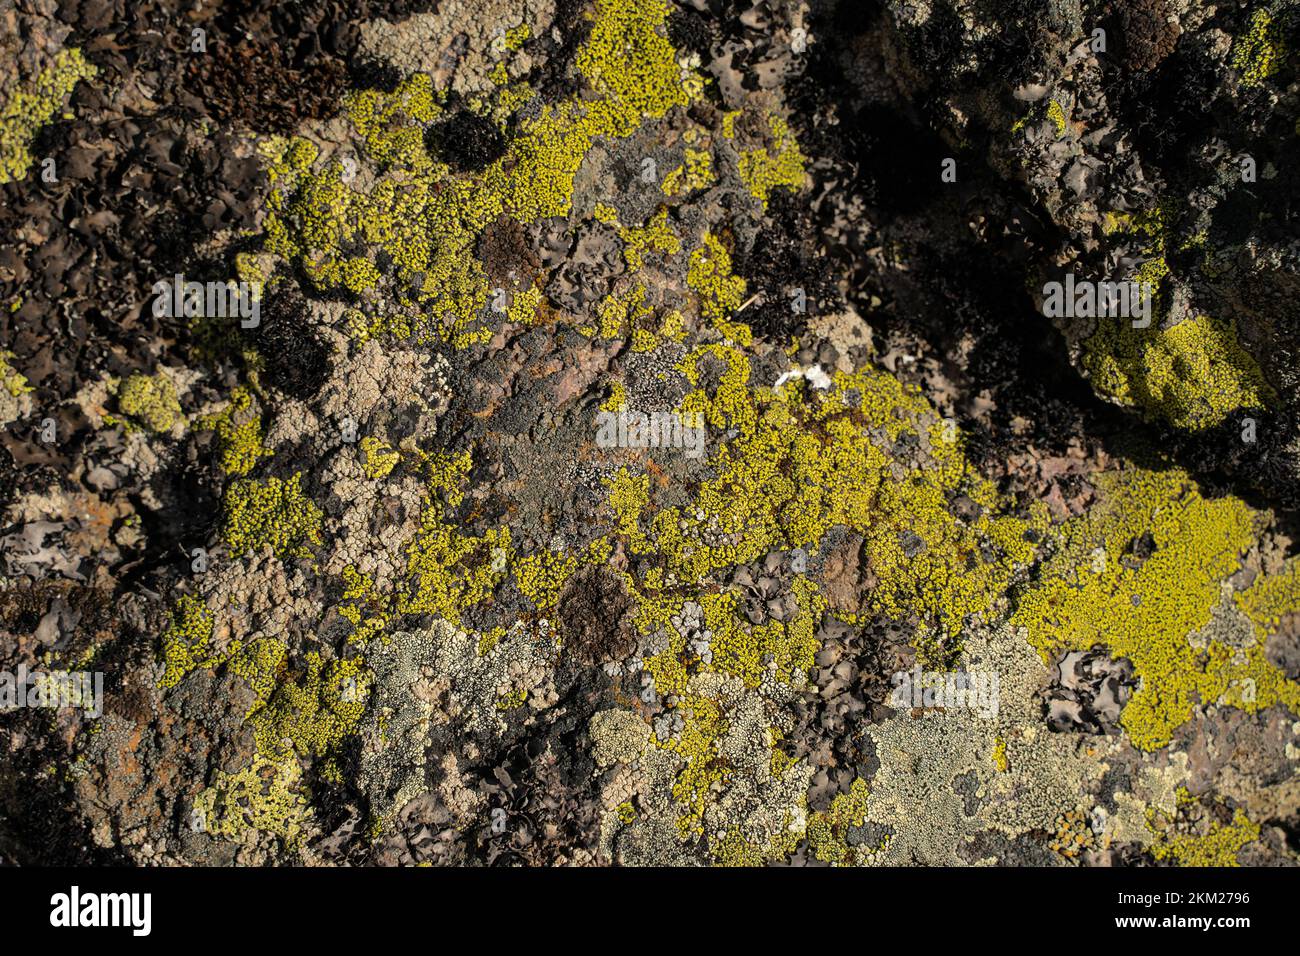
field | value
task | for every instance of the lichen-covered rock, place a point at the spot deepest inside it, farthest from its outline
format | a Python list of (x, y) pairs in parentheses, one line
[(650, 436)]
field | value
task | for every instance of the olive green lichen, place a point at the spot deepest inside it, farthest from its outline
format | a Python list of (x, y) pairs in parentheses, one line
[(150, 400)]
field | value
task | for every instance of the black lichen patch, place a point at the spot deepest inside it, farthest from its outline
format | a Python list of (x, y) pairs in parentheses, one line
[(468, 142), (790, 272), (295, 359), (369, 73), (258, 85), (594, 613), (507, 255), (1147, 34), (689, 30)]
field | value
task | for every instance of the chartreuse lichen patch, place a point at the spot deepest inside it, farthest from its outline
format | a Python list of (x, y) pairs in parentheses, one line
[(424, 219), (1192, 836), (29, 110), (272, 513), (149, 400), (312, 714), (13, 388), (269, 796), (378, 457), (695, 173), (238, 429), (1272, 597), (783, 165), (719, 290), (1192, 374), (1259, 53), (187, 642), (799, 466), (12, 380), (1141, 574)]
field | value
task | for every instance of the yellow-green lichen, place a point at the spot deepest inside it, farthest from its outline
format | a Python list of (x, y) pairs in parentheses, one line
[(704, 769), (762, 171), (238, 430), (750, 651), (720, 292), (1000, 762), (12, 380), (827, 832), (541, 577), (268, 796), (797, 469), (1056, 113), (631, 61), (377, 457), (272, 513), (1271, 598), (512, 699), (447, 570), (150, 400), (695, 173), (1192, 375), (1139, 574), (1202, 842), (363, 607), (315, 712), (29, 110), (186, 644), (619, 312), (1258, 54), (427, 221), (655, 236)]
